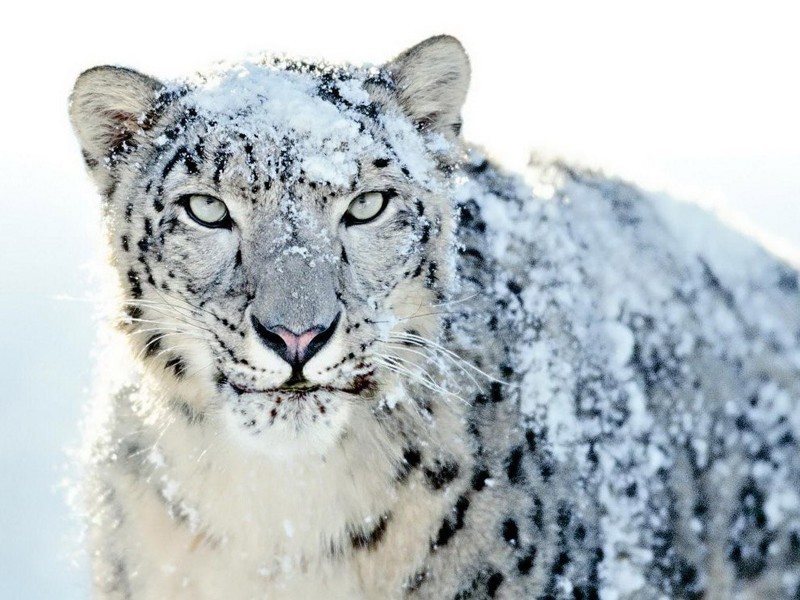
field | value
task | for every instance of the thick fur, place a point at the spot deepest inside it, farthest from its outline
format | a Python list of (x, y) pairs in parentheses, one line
[(524, 395)]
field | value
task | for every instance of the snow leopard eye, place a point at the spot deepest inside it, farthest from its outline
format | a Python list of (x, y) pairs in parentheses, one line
[(367, 207), (207, 210)]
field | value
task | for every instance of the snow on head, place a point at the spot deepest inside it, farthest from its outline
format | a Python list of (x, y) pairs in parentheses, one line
[(319, 116)]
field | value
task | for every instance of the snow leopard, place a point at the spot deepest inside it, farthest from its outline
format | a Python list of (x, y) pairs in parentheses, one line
[(364, 361)]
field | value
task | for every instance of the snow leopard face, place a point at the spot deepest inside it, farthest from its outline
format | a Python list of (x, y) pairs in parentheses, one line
[(277, 228)]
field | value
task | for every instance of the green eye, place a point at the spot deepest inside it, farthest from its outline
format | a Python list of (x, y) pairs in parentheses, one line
[(366, 207), (207, 210)]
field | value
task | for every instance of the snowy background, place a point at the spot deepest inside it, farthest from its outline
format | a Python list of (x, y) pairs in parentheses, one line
[(700, 98)]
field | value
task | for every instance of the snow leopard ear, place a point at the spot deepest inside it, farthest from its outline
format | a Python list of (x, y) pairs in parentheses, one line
[(432, 80), (108, 108)]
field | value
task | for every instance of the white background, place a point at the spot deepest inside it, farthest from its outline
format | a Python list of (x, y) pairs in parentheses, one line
[(699, 97)]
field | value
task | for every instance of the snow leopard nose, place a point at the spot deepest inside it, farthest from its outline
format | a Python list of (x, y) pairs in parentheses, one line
[(295, 348)]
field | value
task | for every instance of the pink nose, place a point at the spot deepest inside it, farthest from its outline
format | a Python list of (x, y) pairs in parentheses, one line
[(296, 349), (297, 345)]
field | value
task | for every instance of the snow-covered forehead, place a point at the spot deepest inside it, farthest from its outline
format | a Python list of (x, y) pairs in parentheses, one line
[(322, 118)]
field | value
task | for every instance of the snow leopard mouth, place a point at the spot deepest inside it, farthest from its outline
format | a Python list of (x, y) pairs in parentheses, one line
[(363, 384)]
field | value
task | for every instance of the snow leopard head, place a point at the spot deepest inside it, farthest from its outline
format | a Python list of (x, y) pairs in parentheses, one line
[(276, 227)]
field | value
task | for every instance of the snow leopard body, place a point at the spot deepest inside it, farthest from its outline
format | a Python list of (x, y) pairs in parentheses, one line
[(554, 388)]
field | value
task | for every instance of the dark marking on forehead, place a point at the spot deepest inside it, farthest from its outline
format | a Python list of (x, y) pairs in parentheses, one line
[(380, 163), (181, 155), (221, 157)]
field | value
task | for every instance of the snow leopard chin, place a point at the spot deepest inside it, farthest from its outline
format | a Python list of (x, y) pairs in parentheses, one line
[(286, 424)]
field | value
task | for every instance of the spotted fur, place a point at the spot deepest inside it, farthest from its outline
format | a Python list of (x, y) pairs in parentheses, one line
[(504, 403)]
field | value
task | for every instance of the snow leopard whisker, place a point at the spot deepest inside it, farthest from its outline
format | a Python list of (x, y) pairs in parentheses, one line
[(184, 311), (418, 375), (151, 343), (458, 300), (422, 341), (160, 307), (182, 306), (196, 307), (434, 356), (171, 314)]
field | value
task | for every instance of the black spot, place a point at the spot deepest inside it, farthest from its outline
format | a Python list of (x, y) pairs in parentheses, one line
[(525, 564), (511, 532), (440, 474), (220, 380), (136, 287), (480, 167), (425, 236), (90, 162), (714, 283), (361, 540), (148, 227), (153, 345), (124, 242), (537, 513), (134, 312), (220, 161), (177, 365), (430, 277), (493, 583), (128, 211), (344, 257), (411, 460), (416, 581), (190, 414), (479, 479), (514, 287), (495, 392), (561, 563), (547, 468), (237, 261), (452, 525), (787, 281), (514, 466), (484, 585), (158, 205), (183, 155), (381, 162)]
